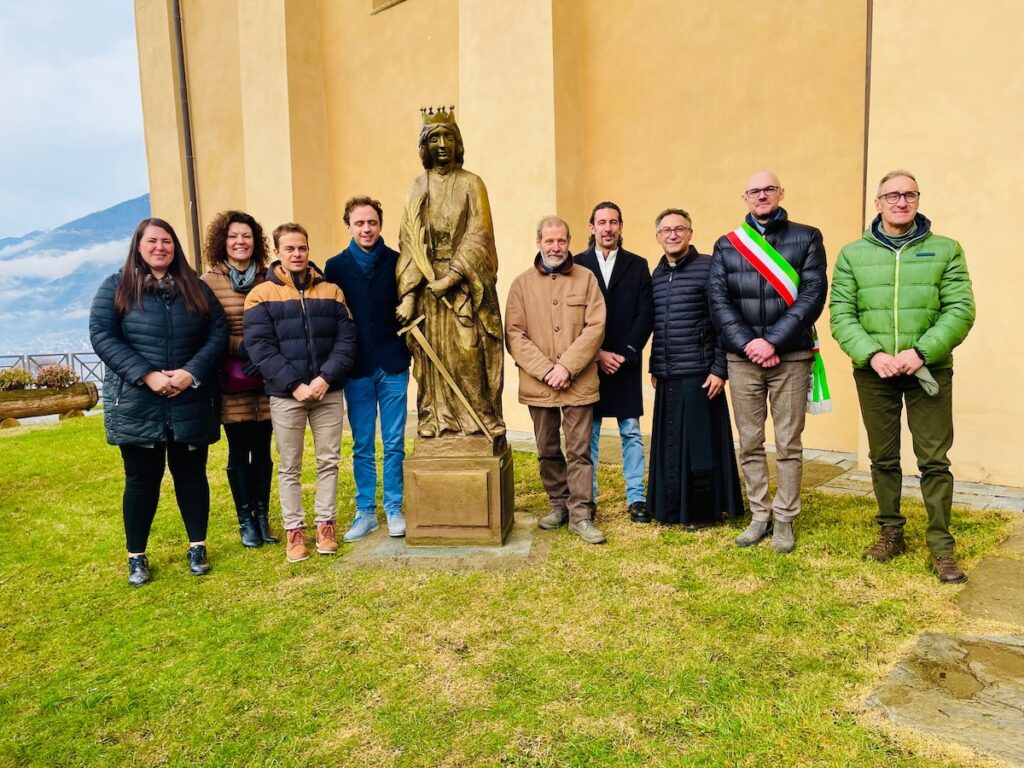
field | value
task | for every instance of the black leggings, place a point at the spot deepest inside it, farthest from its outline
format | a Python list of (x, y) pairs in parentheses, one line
[(248, 443), (143, 472)]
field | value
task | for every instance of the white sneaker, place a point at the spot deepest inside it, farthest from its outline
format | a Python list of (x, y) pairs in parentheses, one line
[(396, 525)]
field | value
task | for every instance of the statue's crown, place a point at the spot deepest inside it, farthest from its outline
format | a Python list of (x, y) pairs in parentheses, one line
[(438, 115)]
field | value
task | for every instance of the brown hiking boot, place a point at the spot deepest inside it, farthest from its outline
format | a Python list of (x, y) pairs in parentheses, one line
[(326, 540), (296, 550), (947, 569), (890, 543)]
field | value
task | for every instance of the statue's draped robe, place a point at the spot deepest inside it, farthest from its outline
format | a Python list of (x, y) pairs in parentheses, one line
[(447, 226)]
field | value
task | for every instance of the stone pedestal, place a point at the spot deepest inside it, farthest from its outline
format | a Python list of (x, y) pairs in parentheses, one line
[(458, 491)]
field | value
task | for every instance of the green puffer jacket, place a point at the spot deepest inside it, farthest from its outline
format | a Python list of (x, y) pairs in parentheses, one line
[(918, 297)]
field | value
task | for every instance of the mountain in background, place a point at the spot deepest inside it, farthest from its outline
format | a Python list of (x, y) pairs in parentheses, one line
[(48, 279)]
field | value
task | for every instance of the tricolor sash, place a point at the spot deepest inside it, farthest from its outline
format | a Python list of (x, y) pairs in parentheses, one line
[(784, 279)]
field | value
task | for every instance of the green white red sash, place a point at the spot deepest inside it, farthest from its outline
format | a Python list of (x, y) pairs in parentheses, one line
[(784, 279)]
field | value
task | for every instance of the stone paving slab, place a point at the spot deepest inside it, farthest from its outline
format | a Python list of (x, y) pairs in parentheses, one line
[(1014, 543), (379, 549), (995, 592), (969, 690)]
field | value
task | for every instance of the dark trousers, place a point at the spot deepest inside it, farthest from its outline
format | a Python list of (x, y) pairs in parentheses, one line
[(568, 478), (143, 473), (248, 443), (931, 427)]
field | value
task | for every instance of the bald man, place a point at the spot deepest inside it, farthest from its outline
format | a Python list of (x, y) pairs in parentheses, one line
[(766, 288)]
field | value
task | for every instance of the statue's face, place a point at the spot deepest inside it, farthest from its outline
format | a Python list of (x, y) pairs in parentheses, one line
[(441, 145)]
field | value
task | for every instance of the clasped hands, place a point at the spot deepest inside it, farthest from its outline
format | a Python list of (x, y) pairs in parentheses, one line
[(168, 383), (315, 390), (558, 377), (761, 353), (906, 363)]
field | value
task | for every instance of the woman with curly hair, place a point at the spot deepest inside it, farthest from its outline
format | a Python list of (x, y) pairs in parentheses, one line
[(162, 335), (236, 255)]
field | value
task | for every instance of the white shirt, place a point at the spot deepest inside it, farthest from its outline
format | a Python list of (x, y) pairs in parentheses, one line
[(606, 265)]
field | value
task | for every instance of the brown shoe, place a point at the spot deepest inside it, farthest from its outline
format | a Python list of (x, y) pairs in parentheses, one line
[(296, 550), (326, 540), (947, 569), (890, 543)]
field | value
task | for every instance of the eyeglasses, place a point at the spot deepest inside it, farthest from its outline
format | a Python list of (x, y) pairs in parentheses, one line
[(756, 192), (894, 197), (679, 231)]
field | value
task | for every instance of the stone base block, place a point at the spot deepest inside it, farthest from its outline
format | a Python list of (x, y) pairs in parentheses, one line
[(458, 497)]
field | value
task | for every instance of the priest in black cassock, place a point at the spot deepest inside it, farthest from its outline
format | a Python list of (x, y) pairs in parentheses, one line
[(693, 476)]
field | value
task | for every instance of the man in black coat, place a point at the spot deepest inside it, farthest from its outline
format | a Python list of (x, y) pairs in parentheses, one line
[(625, 281), (766, 288)]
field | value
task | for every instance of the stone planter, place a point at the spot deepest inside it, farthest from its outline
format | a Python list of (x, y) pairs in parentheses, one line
[(22, 403)]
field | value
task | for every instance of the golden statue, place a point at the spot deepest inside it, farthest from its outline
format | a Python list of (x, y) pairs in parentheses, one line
[(447, 271)]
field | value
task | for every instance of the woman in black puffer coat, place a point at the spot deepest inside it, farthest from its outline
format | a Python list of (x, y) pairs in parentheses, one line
[(162, 335)]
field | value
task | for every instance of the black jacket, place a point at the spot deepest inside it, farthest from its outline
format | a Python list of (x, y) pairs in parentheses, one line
[(628, 327), (373, 299), (295, 335), (160, 335), (684, 336), (745, 307)]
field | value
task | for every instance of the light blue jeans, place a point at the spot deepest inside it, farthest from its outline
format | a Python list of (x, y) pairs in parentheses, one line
[(363, 397), (632, 457)]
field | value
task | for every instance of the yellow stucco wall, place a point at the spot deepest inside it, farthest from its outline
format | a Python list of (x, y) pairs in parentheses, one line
[(298, 105), (945, 105), (682, 102)]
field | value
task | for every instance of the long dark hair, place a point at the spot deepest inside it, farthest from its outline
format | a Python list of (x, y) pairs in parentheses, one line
[(215, 247), (133, 275), (593, 213)]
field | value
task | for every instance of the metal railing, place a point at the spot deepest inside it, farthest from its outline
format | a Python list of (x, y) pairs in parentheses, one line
[(87, 365)]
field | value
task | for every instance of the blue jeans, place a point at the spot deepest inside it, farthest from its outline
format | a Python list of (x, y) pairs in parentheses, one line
[(363, 396), (632, 457)]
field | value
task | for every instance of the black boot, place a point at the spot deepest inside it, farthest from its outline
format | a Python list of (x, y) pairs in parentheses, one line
[(261, 477), (240, 480)]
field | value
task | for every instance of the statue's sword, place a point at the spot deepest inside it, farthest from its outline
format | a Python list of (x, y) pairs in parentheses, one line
[(414, 329)]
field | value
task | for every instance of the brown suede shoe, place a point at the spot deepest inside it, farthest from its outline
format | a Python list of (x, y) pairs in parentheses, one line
[(326, 540), (890, 543), (947, 569), (296, 550)]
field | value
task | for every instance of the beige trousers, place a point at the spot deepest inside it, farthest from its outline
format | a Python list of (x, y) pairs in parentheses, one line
[(753, 390), (289, 418)]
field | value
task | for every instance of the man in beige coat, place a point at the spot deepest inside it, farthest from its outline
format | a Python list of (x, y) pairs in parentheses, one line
[(554, 326)]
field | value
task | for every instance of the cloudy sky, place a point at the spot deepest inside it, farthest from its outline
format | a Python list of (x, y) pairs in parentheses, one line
[(71, 132)]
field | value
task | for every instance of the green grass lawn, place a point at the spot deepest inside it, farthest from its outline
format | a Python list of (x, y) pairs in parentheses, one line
[(660, 648)]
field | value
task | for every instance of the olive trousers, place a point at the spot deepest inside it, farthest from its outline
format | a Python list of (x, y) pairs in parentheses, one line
[(931, 428)]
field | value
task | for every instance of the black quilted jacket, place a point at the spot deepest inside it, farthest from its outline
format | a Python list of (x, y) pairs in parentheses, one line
[(158, 336), (684, 337), (745, 307)]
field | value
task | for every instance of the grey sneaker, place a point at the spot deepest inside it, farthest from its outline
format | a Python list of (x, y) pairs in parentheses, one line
[(587, 531), (361, 527), (554, 519), (782, 538), (396, 526), (757, 530)]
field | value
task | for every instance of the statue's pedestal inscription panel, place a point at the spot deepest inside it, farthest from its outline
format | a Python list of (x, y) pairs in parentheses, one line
[(458, 491)]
